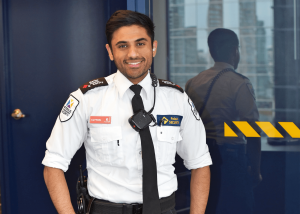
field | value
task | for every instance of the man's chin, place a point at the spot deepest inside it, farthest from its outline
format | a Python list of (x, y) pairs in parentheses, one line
[(135, 75)]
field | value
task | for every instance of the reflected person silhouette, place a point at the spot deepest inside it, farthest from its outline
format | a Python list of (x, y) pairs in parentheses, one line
[(220, 94)]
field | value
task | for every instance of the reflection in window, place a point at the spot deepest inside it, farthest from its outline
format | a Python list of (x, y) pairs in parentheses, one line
[(191, 21)]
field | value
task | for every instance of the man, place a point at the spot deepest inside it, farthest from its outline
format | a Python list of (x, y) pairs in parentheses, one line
[(222, 95), (121, 162)]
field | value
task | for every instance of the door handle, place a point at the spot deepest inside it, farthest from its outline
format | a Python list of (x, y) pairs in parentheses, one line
[(17, 114)]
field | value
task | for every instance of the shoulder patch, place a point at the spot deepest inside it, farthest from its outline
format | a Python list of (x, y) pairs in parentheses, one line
[(194, 110), (68, 109), (93, 84), (170, 84)]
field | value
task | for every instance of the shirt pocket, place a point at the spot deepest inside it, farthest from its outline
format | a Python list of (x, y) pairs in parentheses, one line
[(105, 141), (167, 137)]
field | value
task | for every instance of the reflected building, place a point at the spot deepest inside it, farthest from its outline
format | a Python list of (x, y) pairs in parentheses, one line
[(287, 64), (247, 37), (214, 18), (215, 14), (261, 56), (182, 46), (186, 61)]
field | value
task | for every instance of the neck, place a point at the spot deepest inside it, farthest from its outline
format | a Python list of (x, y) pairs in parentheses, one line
[(230, 63)]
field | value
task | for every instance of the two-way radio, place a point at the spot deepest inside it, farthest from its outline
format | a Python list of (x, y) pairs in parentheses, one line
[(83, 197)]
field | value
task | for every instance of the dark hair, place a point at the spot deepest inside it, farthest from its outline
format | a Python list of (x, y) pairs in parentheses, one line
[(222, 43), (123, 18)]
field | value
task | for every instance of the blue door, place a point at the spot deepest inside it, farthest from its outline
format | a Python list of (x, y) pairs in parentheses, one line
[(48, 49)]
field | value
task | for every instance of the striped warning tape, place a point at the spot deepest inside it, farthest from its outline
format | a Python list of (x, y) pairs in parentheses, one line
[(267, 127)]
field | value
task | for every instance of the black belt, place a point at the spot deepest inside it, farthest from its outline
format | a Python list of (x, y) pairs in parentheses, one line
[(107, 207)]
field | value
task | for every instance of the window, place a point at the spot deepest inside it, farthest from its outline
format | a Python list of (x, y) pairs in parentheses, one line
[(268, 31)]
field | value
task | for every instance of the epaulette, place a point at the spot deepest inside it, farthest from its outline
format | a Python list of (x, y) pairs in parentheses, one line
[(170, 84), (93, 84), (241, 75)]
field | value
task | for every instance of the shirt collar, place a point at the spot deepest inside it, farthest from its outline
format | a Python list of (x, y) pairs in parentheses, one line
[(222, 65), (146, 83), (123, 84)]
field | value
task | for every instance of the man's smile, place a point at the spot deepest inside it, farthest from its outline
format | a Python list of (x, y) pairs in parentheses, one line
[(134, 63)]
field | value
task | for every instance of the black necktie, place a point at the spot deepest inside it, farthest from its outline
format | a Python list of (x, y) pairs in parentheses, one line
[(151, 203)]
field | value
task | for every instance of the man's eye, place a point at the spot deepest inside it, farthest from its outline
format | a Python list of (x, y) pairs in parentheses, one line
[(140, 44), (122, 46)]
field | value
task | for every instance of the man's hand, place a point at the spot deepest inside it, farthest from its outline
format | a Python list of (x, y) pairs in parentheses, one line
[(58, 189), (200, 183)]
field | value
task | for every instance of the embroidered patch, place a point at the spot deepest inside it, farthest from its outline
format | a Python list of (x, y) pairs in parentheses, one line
[(93, 84), (170, 84), (194, 110), (169, 120), (100, 119), (68, 109)]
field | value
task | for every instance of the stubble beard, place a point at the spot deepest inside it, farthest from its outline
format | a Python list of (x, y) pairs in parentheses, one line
[(125, 72)]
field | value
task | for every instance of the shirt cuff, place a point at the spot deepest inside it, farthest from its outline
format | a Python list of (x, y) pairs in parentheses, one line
[(204, 160), (55, 161)]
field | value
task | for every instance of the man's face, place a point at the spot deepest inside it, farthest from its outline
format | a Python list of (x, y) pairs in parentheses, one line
[(132, 52)]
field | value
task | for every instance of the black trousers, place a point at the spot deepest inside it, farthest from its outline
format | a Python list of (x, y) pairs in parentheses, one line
[(231, 189)]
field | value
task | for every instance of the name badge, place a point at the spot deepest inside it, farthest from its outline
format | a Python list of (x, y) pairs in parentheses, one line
[(169, 120), (100, 119)]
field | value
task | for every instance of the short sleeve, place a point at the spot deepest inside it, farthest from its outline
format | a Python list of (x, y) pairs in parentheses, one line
[(245, 102), (192, 148), (68, 134)]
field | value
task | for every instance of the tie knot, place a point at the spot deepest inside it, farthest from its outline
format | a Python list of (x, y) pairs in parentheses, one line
[(136, 89)]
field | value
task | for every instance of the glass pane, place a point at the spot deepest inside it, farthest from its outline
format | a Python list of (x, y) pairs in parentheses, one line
[(269, 38)]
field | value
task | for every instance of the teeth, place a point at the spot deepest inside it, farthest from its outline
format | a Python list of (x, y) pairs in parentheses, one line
[(133, 63)]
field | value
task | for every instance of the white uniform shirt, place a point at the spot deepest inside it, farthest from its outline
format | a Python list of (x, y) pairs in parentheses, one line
[(113, 147)]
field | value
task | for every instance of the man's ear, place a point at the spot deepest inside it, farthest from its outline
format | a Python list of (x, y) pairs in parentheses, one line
[(154, 48), (109, 52)]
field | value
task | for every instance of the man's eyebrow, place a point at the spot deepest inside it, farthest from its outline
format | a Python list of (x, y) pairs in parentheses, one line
[(141, 39), (124, 42), (121, 42)]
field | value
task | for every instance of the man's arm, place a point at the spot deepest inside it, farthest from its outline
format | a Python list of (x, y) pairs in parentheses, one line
[(200, 183), (58, 189)]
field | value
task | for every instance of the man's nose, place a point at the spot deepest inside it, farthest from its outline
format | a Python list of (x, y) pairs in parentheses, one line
[(133, 52)]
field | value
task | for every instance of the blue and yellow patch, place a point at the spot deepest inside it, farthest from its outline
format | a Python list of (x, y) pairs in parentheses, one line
[(169, 120)]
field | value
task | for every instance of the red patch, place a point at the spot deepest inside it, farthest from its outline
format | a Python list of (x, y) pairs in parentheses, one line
[(100, 119)]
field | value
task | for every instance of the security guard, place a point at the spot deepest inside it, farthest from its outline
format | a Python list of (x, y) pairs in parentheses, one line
[(222, 95), (130, 169)]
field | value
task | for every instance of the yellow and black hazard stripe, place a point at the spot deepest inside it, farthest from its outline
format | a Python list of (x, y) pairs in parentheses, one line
[(266, 127)]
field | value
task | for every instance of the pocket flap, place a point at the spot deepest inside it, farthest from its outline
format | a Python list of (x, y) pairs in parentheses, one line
[(106, 134), (169, 134)]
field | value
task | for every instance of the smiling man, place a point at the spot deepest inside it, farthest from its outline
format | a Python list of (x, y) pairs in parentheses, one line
[(129, 161)]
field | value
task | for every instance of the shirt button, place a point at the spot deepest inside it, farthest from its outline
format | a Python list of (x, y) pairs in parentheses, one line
[(140, 152), (172, 138)]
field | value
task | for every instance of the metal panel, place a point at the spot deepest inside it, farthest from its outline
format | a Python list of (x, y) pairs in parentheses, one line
[(48, 49)]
